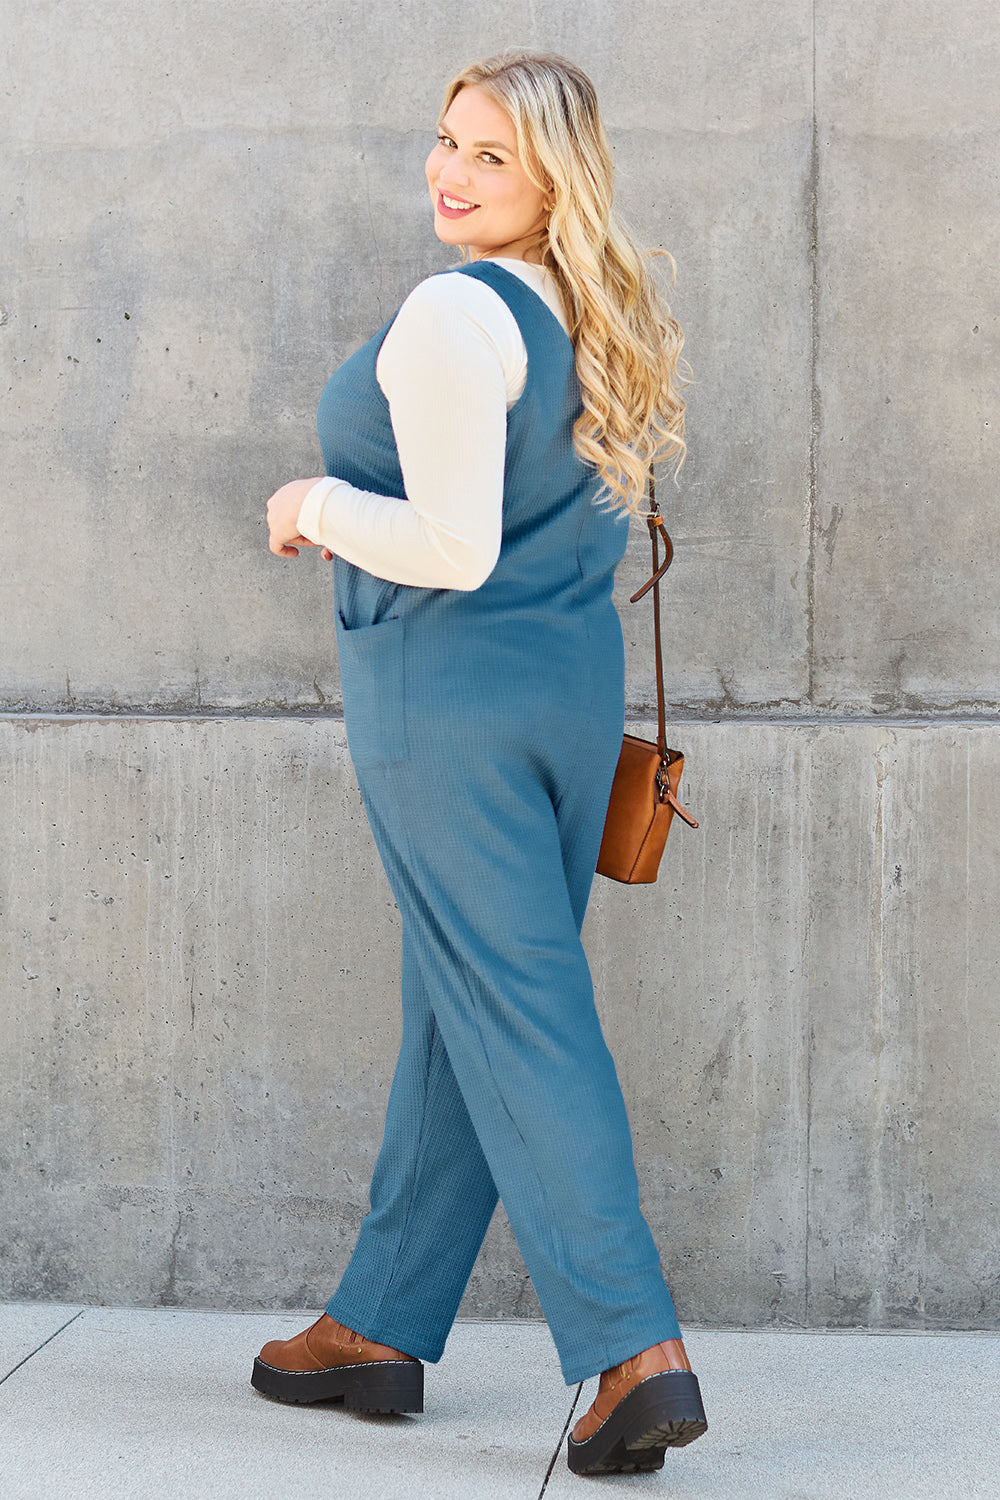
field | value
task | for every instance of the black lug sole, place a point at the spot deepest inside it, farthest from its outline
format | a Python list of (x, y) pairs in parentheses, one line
[(663, 1411), (385, 1385)]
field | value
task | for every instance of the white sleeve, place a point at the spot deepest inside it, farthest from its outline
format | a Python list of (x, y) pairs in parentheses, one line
[(450, 366)]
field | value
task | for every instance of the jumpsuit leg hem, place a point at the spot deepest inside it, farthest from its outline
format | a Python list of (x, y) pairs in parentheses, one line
[(585, 1366), (380, 1332), (574, 1368)]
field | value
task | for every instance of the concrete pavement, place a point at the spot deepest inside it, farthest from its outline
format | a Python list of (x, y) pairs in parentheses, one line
[(129, 1403)]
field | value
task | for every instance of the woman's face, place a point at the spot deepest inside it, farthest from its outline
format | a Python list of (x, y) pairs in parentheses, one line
[(482, 196)]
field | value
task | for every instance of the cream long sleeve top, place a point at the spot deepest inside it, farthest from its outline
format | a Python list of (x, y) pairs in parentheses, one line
[(451, 366)]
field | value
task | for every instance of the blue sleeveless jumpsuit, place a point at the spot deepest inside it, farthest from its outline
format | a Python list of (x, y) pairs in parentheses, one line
[(484, 727)]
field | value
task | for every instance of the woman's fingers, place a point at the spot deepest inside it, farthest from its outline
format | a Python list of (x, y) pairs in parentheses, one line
[(283, 508), (288, 546)]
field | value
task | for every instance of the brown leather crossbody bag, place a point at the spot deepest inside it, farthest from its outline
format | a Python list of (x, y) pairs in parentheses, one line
[(644, 793)]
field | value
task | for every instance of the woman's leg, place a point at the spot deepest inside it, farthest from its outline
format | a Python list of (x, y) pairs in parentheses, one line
[(493, 925), (432, 1197)]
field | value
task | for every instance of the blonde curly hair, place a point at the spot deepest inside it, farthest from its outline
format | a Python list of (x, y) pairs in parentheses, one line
[(626, 341)]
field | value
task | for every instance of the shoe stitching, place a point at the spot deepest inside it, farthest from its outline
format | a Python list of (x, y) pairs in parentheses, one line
[(366, 1364)]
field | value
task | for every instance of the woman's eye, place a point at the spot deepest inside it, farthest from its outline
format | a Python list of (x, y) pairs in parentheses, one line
[(445, 140), (491, 160)]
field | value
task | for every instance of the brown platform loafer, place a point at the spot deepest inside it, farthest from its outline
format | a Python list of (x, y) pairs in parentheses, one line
[(650, 1403), (330, 1363)]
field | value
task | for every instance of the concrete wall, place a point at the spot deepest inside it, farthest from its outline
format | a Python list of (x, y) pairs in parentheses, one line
[(209, 207)]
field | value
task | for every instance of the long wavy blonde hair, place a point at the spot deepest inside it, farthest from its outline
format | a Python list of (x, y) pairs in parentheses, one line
[(626, 341)]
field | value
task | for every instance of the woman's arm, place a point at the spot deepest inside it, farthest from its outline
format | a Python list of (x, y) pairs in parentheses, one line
[(449, 367)]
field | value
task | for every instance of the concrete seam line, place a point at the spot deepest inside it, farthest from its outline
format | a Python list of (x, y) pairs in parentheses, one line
[(811, 718), (51, 1336), (562, 1439)]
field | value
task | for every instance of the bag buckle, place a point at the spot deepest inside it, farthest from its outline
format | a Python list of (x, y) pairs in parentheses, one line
[(666, 795)]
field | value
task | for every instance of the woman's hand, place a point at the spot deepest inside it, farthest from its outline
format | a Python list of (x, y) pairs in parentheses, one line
[(283, 519)]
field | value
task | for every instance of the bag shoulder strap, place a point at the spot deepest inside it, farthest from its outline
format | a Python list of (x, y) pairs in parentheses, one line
[(656, 525)]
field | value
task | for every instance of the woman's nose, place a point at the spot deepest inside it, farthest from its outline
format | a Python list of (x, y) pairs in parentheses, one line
[(453, 171)]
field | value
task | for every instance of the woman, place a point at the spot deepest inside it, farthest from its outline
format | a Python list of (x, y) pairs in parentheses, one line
[(482, 667)]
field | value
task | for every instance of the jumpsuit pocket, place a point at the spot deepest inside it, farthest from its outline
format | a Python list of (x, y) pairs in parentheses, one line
[(373, 683)]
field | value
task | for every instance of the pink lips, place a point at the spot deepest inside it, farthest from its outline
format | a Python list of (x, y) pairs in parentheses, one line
[(453, 213)]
